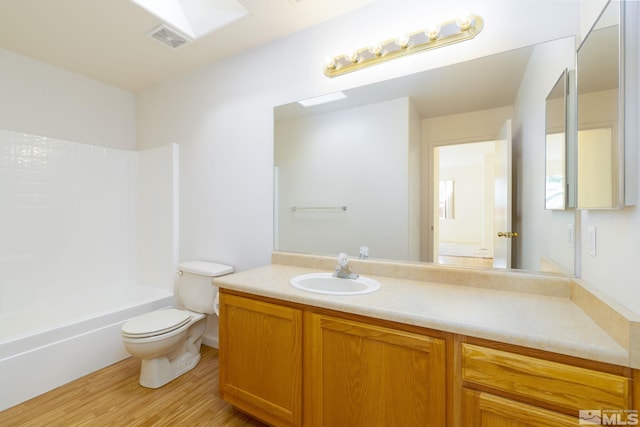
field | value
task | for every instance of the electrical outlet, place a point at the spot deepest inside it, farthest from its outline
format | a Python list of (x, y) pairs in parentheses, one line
[(591, 239)]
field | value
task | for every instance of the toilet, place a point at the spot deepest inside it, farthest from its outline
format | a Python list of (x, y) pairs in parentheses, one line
[(168, 341)]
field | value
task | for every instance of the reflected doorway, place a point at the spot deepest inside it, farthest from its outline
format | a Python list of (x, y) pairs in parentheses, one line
[(464, 190)]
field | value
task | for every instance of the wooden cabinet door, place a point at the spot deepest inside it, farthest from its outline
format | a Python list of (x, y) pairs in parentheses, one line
[(261, 359), (481, 409), (365, 375)]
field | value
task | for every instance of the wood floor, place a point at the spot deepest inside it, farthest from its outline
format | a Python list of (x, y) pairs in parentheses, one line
[(465, 261), (112, 397)]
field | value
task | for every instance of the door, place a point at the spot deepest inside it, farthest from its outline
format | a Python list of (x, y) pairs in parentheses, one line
[(373, 376), (261, 359), (502, 210)]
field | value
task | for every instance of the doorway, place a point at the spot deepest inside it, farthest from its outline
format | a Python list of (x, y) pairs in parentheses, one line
[(464, 200)]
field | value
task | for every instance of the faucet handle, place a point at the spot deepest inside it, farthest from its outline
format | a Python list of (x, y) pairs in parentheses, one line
[(364, 252), (343, 259)]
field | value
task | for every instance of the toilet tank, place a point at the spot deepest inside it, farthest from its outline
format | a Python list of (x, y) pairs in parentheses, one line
[(196, 291)]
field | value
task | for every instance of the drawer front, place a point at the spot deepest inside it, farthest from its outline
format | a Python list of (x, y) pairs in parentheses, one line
[(555, 383), (480, 409)]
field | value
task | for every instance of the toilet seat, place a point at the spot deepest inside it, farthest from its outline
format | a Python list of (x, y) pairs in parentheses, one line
[(155, 323)]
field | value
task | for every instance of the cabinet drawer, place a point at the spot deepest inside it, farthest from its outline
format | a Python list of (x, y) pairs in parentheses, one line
[(555, 383), (480, 409)]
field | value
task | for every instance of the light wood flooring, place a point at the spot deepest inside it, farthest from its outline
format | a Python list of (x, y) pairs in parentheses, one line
[(113, 397), (465, 261)]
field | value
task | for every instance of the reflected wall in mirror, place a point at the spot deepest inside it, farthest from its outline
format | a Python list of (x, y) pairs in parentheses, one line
[(600, 151), (373, 152), (361, 157), (446, 197), (556, 146)]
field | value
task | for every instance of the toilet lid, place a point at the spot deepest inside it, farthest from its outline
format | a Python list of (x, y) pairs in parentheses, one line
[(156, 323)]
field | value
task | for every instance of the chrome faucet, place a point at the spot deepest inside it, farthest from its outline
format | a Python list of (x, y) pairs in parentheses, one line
[(342, 269)]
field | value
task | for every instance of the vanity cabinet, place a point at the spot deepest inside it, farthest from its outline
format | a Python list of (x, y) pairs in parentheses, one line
[(261, 359), (368, 375), (297, 365), (354, 373)]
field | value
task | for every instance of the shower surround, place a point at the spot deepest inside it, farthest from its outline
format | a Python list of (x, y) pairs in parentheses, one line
[(73, 217)]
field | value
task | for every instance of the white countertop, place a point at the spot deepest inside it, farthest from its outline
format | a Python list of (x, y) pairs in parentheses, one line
[(550, 323)]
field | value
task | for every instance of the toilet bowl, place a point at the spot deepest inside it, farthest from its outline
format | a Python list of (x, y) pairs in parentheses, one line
[(168, 341), (170, 350)]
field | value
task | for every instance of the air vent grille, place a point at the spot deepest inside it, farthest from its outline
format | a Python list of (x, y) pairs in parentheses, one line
[(169, 37)]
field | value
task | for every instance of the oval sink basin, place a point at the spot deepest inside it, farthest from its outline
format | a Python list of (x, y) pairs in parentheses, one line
[(326, 283)]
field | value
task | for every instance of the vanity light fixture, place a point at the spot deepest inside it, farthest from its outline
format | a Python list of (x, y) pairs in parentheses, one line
[(330, 97), (431, 37)]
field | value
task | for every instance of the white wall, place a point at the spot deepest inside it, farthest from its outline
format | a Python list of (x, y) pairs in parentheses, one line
[(222, 114), (415, 185), (472, 167), (543, 233), (357, 158), (40, 99), (467, 225)]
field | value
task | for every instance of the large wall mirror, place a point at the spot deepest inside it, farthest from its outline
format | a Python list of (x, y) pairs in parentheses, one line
[(360, 171), (603, 133)]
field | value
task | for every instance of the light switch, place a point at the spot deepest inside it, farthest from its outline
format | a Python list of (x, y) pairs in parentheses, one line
[(591, 239)]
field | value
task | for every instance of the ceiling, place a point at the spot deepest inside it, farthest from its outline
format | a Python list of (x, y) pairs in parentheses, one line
[(106, 40)]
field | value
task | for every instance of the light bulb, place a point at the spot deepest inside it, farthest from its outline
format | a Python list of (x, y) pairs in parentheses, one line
[(464, 22), (432, 31), (403, 40), (352, 55), (375, 47), (330, 63)]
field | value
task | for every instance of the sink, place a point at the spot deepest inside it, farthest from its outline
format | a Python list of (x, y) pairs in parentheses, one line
[(326, 283)]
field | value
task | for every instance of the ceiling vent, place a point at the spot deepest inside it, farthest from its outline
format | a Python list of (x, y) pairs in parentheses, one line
[(169, 37)]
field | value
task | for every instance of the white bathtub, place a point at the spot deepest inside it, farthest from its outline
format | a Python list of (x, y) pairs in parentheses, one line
[(56, 342)]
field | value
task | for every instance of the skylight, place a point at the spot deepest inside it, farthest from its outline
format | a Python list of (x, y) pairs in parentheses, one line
[(335, 96), (195, 18)]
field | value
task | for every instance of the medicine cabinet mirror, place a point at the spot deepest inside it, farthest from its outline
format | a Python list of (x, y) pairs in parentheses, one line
[(606, 141)]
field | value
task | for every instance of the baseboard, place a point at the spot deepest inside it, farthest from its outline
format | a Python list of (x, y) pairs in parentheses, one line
[(210, 341)]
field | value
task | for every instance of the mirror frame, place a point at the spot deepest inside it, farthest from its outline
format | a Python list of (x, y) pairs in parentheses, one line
[(630, 40)]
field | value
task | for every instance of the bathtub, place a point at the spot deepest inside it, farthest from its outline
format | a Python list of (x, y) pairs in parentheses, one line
[(57, 341)]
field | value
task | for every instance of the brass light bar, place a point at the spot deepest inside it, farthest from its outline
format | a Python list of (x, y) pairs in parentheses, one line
[(447, 33)]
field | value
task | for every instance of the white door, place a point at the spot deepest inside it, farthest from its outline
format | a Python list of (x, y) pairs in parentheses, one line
[(502, 225)]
